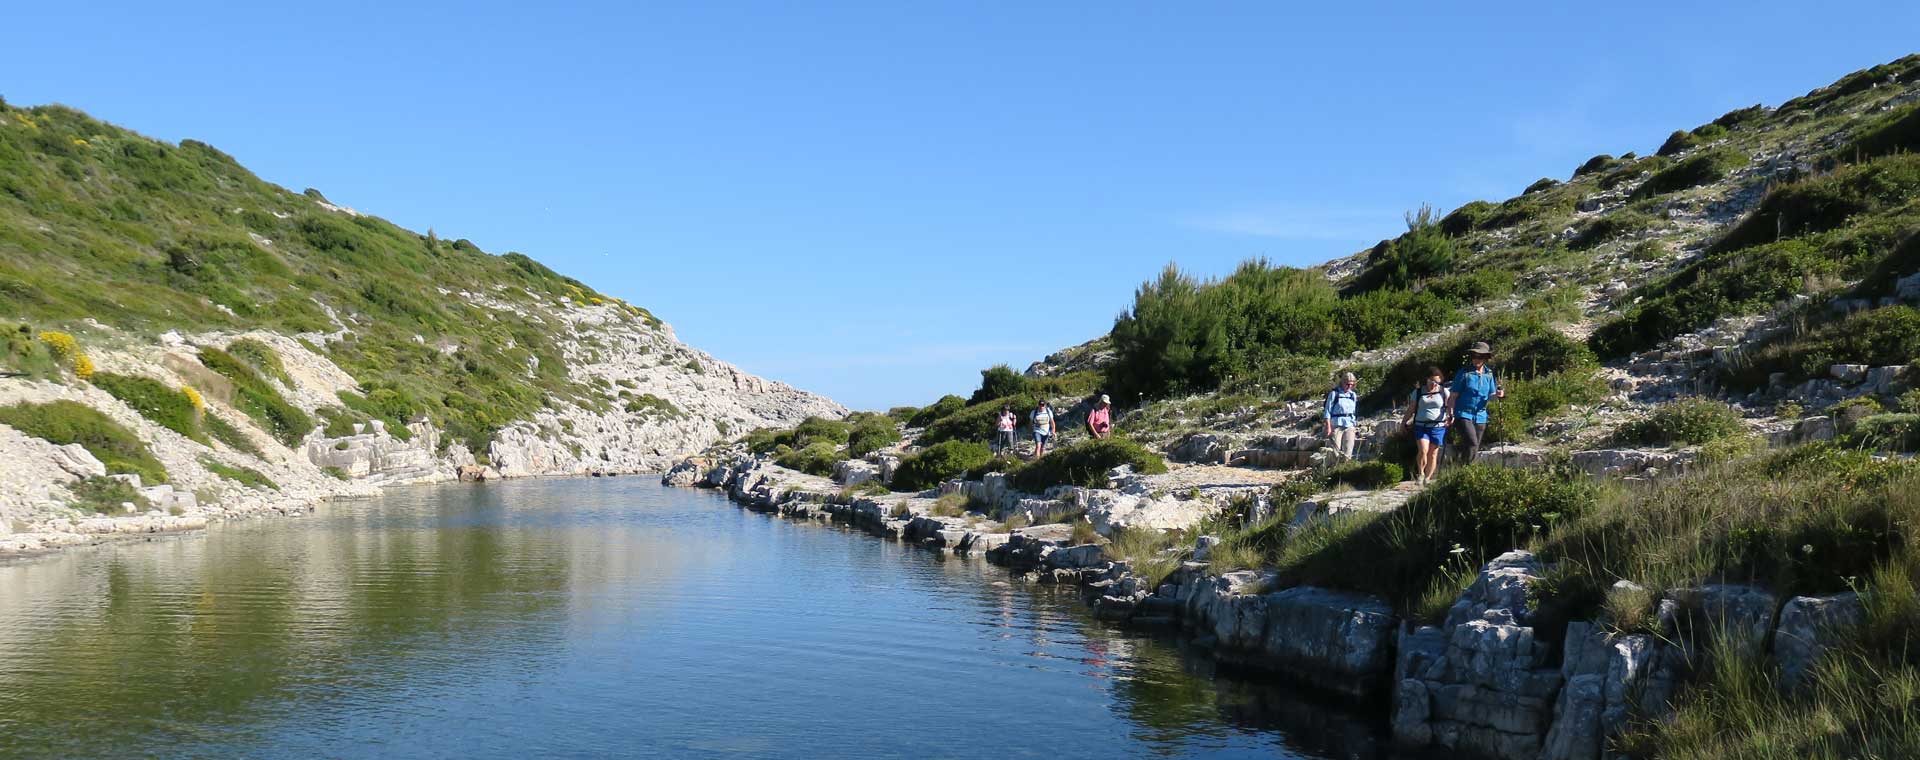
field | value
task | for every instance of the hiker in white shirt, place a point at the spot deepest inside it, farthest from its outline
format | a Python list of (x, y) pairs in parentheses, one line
[(1042, 428), (1342, 416), (1003, 430)]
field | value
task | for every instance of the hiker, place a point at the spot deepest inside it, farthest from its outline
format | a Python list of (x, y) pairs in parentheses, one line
[(1100, 420), (1427, 414), (1042, 428), (1003, 429), (1341, 419), (1473, 387)]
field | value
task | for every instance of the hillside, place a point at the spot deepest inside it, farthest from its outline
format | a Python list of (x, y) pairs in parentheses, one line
[(1691, 532), (198, 314)]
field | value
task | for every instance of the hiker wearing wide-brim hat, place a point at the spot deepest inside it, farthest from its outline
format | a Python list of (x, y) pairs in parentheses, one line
[(1100, 420), (1473, 387)]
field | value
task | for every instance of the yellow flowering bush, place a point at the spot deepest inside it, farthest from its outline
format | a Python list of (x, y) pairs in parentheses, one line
[(83, 366), (62, 345), (199, 402)]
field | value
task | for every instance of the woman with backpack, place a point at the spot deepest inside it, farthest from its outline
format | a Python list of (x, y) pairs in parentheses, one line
[(1042, 428), (1427, 416)]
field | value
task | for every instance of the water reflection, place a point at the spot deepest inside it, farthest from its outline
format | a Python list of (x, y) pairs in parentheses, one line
[(592, 618)]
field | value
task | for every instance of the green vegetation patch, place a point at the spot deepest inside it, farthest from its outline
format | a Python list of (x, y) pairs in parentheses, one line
[(106, 495), (1825, 203), (69, 422), (165, 405), (1709, 166), (816, 458), (1365, 476), (258, 399), (947, 405), (869, 433), (1888, 336), (939, 463), (25, 354), (1687, 422), (1086, 464), (245, 476)]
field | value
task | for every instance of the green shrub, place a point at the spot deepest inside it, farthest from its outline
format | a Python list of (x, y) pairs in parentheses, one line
[(1467, 218), (1710, 166), (647, 404), (1618, 224), (1713, 286), (105, 495), (1469, 515), (1687, 422), (166, 406), (336, 473), (947, 405), (25, 354), (1886, 336), (903, 413), (1471, 287), (243, 475), (1543, 183), (1531, 399), (870, 433), (976, 422), (1826, 203), (1740, 117), (226, 433), (939, 463), (261, 357), (1890, 432), (70, 422), (816, 458), (1425, 251), (1677, 143), (1086, 464), (998, 381), (1366, 476), (1894, 132), (1628, 171), (258, 399), (1596, 165), (1184, 336)]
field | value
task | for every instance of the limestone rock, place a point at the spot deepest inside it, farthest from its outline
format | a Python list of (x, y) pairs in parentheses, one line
[(1809, 626)]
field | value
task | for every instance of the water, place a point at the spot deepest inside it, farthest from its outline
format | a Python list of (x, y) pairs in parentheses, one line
[(594, 618)]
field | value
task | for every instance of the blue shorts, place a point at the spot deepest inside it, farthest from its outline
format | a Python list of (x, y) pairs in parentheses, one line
[(1437, 433), (1042, 438)]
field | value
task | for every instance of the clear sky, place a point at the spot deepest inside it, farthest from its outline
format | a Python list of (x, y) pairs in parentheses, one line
[(877, 200)]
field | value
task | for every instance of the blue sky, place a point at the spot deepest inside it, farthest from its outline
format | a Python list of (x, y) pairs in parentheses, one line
[(877, 200)]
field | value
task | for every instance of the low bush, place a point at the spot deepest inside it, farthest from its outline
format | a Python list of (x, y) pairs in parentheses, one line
[(70, 422), (938, 463), (1688, 422), (1713, 286), (1531, 399), (1677, 143), (261, 358), (168, 407), (1427, 548), (1618, 224), (947, 405), (1628, 171), (1541, 184), (245, 476), (1596, 165), (1740, 117), (869, 433), (903, 413), (1825, 203), (1887, 432), (105, 496), (26, 355), (258, 399), (998, 381), (816, 458), (1467, 218), (226, 433), (1424, 252), (1891, 133), (1710, 166), (1887, 336), (1086, 464), (1366, 476)]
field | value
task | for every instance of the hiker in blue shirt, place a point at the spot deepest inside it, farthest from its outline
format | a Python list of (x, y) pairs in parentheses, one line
[(1473, 388), (1341, 416)]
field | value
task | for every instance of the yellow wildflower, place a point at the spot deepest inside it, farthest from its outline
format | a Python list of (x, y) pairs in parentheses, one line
[(63, 346), (199, 402), (83, 367)]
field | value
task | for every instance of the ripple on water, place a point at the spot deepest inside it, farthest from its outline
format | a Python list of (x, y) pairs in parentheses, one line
[(591, 618)]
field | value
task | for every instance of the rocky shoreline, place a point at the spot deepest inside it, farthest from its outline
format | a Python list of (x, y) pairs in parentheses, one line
[(1494, 678)]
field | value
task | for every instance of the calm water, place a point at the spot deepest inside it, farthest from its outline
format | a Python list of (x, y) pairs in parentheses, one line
[(591, 618)]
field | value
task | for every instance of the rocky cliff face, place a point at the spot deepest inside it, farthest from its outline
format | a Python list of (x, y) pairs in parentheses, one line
[(654, 399)]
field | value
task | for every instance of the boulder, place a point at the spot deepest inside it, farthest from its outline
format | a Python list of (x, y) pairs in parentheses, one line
[(1809, 626), (78, 462), (1512, 456), (1850, 374), (1202, 448), (853, 472)]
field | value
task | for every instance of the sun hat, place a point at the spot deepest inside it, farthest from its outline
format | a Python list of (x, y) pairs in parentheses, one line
[(1481, 349), (1104, 399)]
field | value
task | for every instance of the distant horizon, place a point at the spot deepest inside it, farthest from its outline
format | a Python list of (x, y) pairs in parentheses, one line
[(874, 203)]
